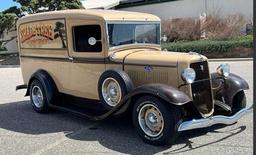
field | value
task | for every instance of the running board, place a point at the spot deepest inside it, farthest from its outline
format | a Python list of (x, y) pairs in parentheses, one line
[(24, 86), (78, 111)]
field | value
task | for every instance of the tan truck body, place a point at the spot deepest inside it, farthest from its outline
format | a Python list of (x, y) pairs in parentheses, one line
[(78, 73)]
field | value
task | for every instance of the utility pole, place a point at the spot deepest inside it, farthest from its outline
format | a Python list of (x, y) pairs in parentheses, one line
[(203, 17), (206, 6)]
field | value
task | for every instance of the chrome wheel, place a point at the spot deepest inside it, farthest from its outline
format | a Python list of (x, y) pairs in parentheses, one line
[(37, 97), (111, 92), (151, 120)]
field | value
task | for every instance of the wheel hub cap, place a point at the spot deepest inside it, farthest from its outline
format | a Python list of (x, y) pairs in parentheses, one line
[(151, 120), (37, 97), (111, 92)]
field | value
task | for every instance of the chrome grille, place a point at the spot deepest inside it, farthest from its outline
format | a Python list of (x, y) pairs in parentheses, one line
[(201, 91)]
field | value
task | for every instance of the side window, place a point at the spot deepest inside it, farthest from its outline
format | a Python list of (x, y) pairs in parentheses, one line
[(87, 38)]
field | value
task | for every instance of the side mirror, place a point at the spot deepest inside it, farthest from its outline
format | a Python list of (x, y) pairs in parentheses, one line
[(164, 38), (92, 41)]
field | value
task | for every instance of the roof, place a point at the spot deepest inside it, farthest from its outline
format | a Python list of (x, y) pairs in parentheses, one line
[(90, 14)]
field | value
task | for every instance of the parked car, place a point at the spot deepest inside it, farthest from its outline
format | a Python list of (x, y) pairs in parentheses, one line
[(114, 60)]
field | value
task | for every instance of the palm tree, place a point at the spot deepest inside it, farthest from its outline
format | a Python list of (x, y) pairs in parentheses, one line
[(60, 32)]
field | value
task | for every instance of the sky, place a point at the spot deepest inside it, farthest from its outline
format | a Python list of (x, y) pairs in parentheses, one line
[(5, 4)]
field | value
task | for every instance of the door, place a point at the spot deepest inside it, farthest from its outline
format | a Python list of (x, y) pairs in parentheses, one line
[(87, 53)]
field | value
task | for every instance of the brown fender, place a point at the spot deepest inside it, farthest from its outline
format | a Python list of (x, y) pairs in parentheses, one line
[(47, 82), (167, 93), (230, 86)]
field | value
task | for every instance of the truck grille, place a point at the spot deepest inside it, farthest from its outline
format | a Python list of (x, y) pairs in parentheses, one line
[(201, 91)]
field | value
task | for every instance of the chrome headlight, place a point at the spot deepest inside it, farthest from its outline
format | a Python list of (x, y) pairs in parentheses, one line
[(223, 70), (188, 75)]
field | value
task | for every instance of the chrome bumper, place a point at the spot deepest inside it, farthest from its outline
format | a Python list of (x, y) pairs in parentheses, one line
[(219, 119)]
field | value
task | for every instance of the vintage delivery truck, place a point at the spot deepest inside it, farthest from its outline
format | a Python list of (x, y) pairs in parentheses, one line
[(113, 60)]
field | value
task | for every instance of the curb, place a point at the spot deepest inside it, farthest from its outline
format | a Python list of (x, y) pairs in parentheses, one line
[(9, 66), (231, 59)]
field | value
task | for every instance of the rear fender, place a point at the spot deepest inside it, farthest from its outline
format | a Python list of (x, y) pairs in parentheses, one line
[(47, 82)]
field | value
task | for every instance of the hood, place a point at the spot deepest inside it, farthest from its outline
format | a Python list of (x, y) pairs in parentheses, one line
[(155, 57)]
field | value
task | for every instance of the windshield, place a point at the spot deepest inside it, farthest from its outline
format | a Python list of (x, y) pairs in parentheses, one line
[(122, 34)]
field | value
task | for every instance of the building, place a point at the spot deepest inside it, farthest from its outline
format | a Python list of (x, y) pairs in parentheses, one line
[(169, 9)]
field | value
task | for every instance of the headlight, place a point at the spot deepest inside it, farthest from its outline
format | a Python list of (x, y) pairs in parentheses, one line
[(188, 75), (223, 70)]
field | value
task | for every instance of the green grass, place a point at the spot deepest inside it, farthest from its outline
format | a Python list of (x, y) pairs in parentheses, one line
[(209, 46)]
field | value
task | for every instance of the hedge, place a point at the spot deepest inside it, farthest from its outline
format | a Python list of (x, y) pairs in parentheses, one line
[(2, 49), (209, 46)]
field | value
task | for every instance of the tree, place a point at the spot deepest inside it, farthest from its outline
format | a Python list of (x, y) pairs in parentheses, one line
[(35, 6), (15, 10), (60, 32), (6, 22), (64, 4)]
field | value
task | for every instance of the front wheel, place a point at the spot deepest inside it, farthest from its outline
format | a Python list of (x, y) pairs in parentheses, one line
[(239, 102), (155, 121)]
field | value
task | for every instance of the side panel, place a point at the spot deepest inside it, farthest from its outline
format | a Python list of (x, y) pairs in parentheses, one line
[(43, 45), (58, 70)]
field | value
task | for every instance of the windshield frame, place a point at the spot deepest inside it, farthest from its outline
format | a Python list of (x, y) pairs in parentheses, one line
[(132, 22)]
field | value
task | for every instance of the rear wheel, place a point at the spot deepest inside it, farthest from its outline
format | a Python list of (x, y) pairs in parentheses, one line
[(38, 97), (156, 122)]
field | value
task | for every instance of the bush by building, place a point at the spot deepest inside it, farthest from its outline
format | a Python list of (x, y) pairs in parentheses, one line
[(181, 29), (210, 46), (215, 26)]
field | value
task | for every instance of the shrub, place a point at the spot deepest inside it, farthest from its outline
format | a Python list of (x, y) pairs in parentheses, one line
[(181, 29), (1, 46), (207, 46), (215, 26), (220, 28)]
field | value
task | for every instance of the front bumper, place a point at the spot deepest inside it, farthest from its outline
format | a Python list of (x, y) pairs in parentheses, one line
[(218, 119)]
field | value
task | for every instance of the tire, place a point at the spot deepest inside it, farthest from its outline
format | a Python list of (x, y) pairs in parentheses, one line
[(39, 104), (121, 84), (166, 132), (239, 102)]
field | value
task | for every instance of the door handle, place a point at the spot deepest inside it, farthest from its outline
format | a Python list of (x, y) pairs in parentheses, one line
[(71, 58)]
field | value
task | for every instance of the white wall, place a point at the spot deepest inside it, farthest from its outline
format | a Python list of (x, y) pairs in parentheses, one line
[(193, 8)]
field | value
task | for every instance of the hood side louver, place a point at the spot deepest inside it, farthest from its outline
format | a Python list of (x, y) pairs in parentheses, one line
[(142, 77)]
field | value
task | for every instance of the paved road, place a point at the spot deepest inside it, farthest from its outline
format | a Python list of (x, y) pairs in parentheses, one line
[(22, 131)]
